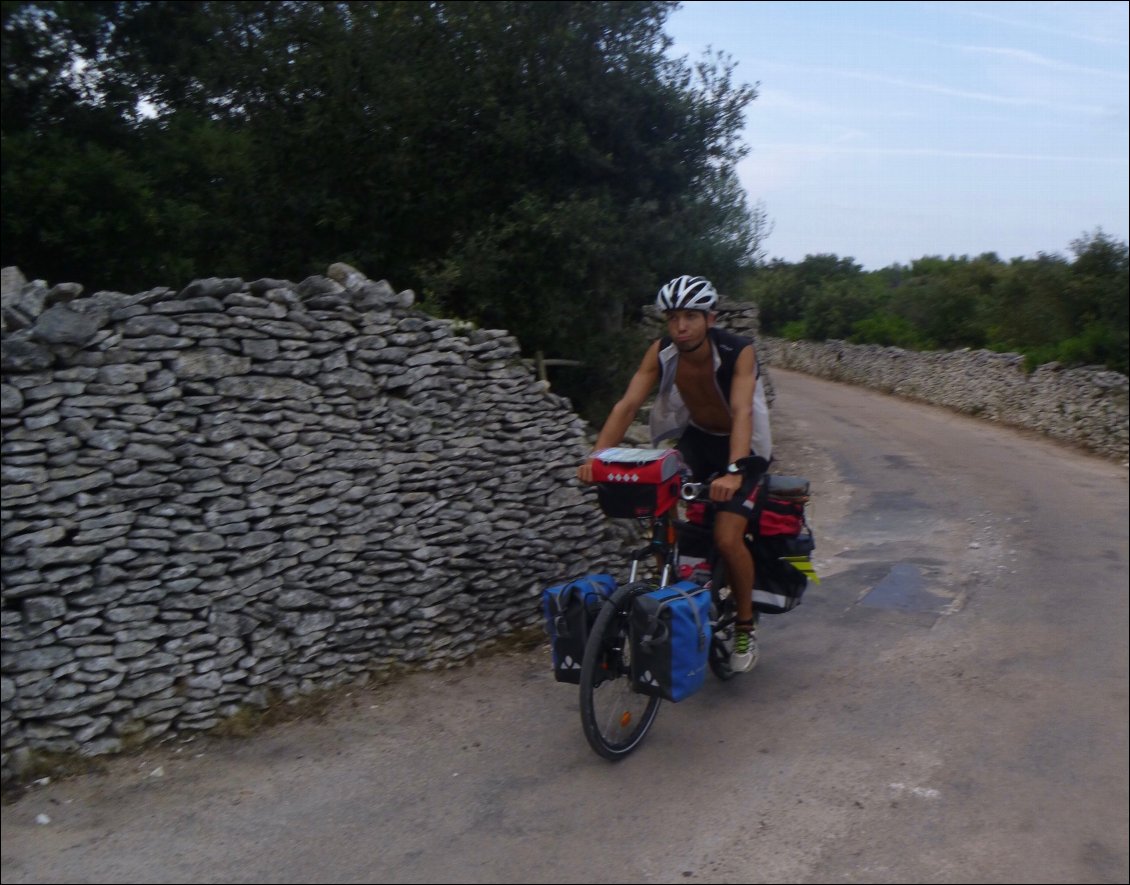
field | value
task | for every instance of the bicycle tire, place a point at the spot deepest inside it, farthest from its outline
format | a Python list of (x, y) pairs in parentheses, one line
[(725, 614), (614, 717)]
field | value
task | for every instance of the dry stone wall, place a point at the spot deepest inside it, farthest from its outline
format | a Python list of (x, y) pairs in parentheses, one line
[(1085, 407), (247, 490)]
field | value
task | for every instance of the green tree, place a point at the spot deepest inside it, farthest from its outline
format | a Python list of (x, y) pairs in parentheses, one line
[(1047, 308), (786, 293), (1029, 314), (1099, 293), (836, 307), (946, 300), (540, 166)]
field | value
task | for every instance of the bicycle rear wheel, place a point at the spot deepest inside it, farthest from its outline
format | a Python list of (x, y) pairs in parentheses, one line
[(614, 717), (725, 613)]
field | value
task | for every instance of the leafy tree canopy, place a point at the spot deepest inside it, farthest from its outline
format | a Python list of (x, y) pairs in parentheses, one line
[(1049, 308), (540, 166)]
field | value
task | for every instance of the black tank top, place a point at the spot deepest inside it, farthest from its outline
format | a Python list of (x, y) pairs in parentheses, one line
[(728, 346)]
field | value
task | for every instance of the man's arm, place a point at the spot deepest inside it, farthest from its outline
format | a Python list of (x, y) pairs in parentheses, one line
[(741, 423), (741, 404), (625, 411)]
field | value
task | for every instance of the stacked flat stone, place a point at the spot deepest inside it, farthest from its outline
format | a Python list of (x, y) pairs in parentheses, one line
[(252, 490)]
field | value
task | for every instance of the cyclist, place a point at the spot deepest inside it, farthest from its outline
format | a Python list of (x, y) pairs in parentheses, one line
[(712, 400)]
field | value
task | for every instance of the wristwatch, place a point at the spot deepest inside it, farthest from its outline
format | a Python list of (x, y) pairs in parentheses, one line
[(733, 468)]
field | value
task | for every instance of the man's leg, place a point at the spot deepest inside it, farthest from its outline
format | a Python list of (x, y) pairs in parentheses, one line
[(729, 539), (729, 532)]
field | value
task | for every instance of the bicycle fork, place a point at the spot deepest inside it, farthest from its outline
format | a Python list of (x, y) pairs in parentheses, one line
[(664, 547), (638, 557)]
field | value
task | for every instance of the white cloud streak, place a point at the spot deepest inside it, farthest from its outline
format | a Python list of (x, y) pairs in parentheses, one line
[(937, 89), (1101, 39), (1034, 59), (936, 152)]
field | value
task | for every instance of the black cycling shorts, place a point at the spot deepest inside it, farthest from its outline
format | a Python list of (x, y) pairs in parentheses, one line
[(707, 454)]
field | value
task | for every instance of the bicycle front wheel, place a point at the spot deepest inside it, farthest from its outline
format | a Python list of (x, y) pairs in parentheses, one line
[(615, 718)]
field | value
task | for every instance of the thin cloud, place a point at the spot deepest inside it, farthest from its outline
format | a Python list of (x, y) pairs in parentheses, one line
[(988, 97), (937, 152), (1019, 23), (1043, 61), (1016, 54)]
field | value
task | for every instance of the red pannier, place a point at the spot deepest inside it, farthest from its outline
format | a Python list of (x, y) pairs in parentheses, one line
[(778, 506), (637, 482)]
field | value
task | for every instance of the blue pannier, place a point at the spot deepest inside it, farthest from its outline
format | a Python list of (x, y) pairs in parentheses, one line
[(570, 610), (670, 636)]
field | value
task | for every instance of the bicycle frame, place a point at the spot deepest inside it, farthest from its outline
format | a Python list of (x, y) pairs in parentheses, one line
[(615, 713), (664, 543), (614, 716)]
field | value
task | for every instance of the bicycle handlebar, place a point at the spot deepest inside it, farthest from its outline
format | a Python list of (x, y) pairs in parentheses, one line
[(696, 491), (700, 491)]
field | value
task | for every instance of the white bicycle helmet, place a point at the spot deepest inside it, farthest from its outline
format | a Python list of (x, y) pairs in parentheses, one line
[(687, 293)]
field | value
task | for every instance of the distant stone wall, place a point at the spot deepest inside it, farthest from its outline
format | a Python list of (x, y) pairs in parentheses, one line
[(247, 490), (1085, 407)]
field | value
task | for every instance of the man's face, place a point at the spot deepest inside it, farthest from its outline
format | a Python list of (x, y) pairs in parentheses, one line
[(687, 328)]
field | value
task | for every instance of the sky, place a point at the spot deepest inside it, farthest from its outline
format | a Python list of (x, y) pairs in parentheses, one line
[(886, 132)]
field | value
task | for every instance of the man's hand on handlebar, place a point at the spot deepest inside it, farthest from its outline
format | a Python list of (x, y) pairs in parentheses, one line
[(725, 487), (584, 472)]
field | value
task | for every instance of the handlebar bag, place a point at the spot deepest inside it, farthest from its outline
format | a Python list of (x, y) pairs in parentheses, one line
[(670, 633), (570, 610), (637, 482)]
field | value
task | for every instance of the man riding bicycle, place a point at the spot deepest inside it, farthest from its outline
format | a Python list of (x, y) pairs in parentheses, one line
[(712, 400)]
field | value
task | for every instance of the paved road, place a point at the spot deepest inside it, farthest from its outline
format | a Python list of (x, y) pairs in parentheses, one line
[(949, 705)]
